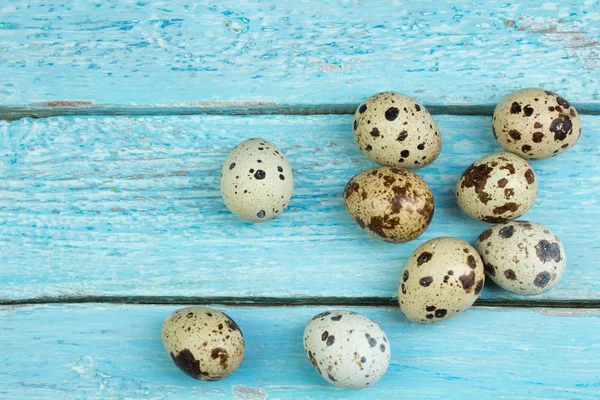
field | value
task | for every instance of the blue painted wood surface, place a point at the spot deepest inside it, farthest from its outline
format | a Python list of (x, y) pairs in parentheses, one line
[(111, 351), (127, 206), (307, 52), (124, 207)]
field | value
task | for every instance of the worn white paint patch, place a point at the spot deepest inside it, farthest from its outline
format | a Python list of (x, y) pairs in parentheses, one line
[(567, 312), (549, 6), (84, 367), (569, 35), (241, 392)]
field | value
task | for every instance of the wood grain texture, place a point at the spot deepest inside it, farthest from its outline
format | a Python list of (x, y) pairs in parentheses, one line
[(130, 206), (94, 351), (79, 54)]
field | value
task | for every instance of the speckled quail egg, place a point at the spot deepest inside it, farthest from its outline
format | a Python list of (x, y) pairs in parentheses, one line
[(347, 349), (396, 130), (497, 187), (441, 278), (392, 204), (522, 257), (256, 181), (535, 123), (204, 343)]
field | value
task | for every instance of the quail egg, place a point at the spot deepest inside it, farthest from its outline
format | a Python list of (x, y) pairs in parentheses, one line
[(536, 123), (497, 187), (522, 257), (204, 343), (256, 181), (396, 130), (441, 278), (392, 204), (348, 350)]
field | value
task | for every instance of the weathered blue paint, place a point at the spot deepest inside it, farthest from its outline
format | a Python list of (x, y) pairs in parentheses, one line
[(130, 206), (111, 351), (304, 52)]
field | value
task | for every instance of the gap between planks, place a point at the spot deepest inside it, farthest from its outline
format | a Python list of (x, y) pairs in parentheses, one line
[(78, 108), (279, 302)]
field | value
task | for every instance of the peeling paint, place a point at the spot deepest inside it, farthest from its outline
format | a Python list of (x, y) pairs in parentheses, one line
[(241, 392), (556, 31), (567, 312), (67, 104)]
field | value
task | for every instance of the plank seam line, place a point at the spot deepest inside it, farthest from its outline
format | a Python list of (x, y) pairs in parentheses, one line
[(295, 302), (15, 113)]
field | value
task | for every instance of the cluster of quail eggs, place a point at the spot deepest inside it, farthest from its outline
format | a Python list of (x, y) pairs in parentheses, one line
[(443, 276)]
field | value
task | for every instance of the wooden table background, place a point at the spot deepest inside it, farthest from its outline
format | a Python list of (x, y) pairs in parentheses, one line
[(116, 117)]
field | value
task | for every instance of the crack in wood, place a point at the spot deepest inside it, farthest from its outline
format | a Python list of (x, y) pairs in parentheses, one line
[(300, 301), (235, 109)]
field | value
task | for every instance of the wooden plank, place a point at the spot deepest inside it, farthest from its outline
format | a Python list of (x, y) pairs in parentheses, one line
[(78, 54), (124, 206), (87, 351)]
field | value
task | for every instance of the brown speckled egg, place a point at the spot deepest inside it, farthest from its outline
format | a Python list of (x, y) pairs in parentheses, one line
[(396, 130), (392, 204), (204, 343), (256, 181), (441, 278), (522, 257), (347, 349), (535, 123), (497, 187)]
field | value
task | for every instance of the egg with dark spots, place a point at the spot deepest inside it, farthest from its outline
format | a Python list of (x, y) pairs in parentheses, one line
[(390, 203), (496, 188), (441, 278), (347, 349), (256, 181), (396, 130), (536, 123), (204, 343), (522, 257)]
